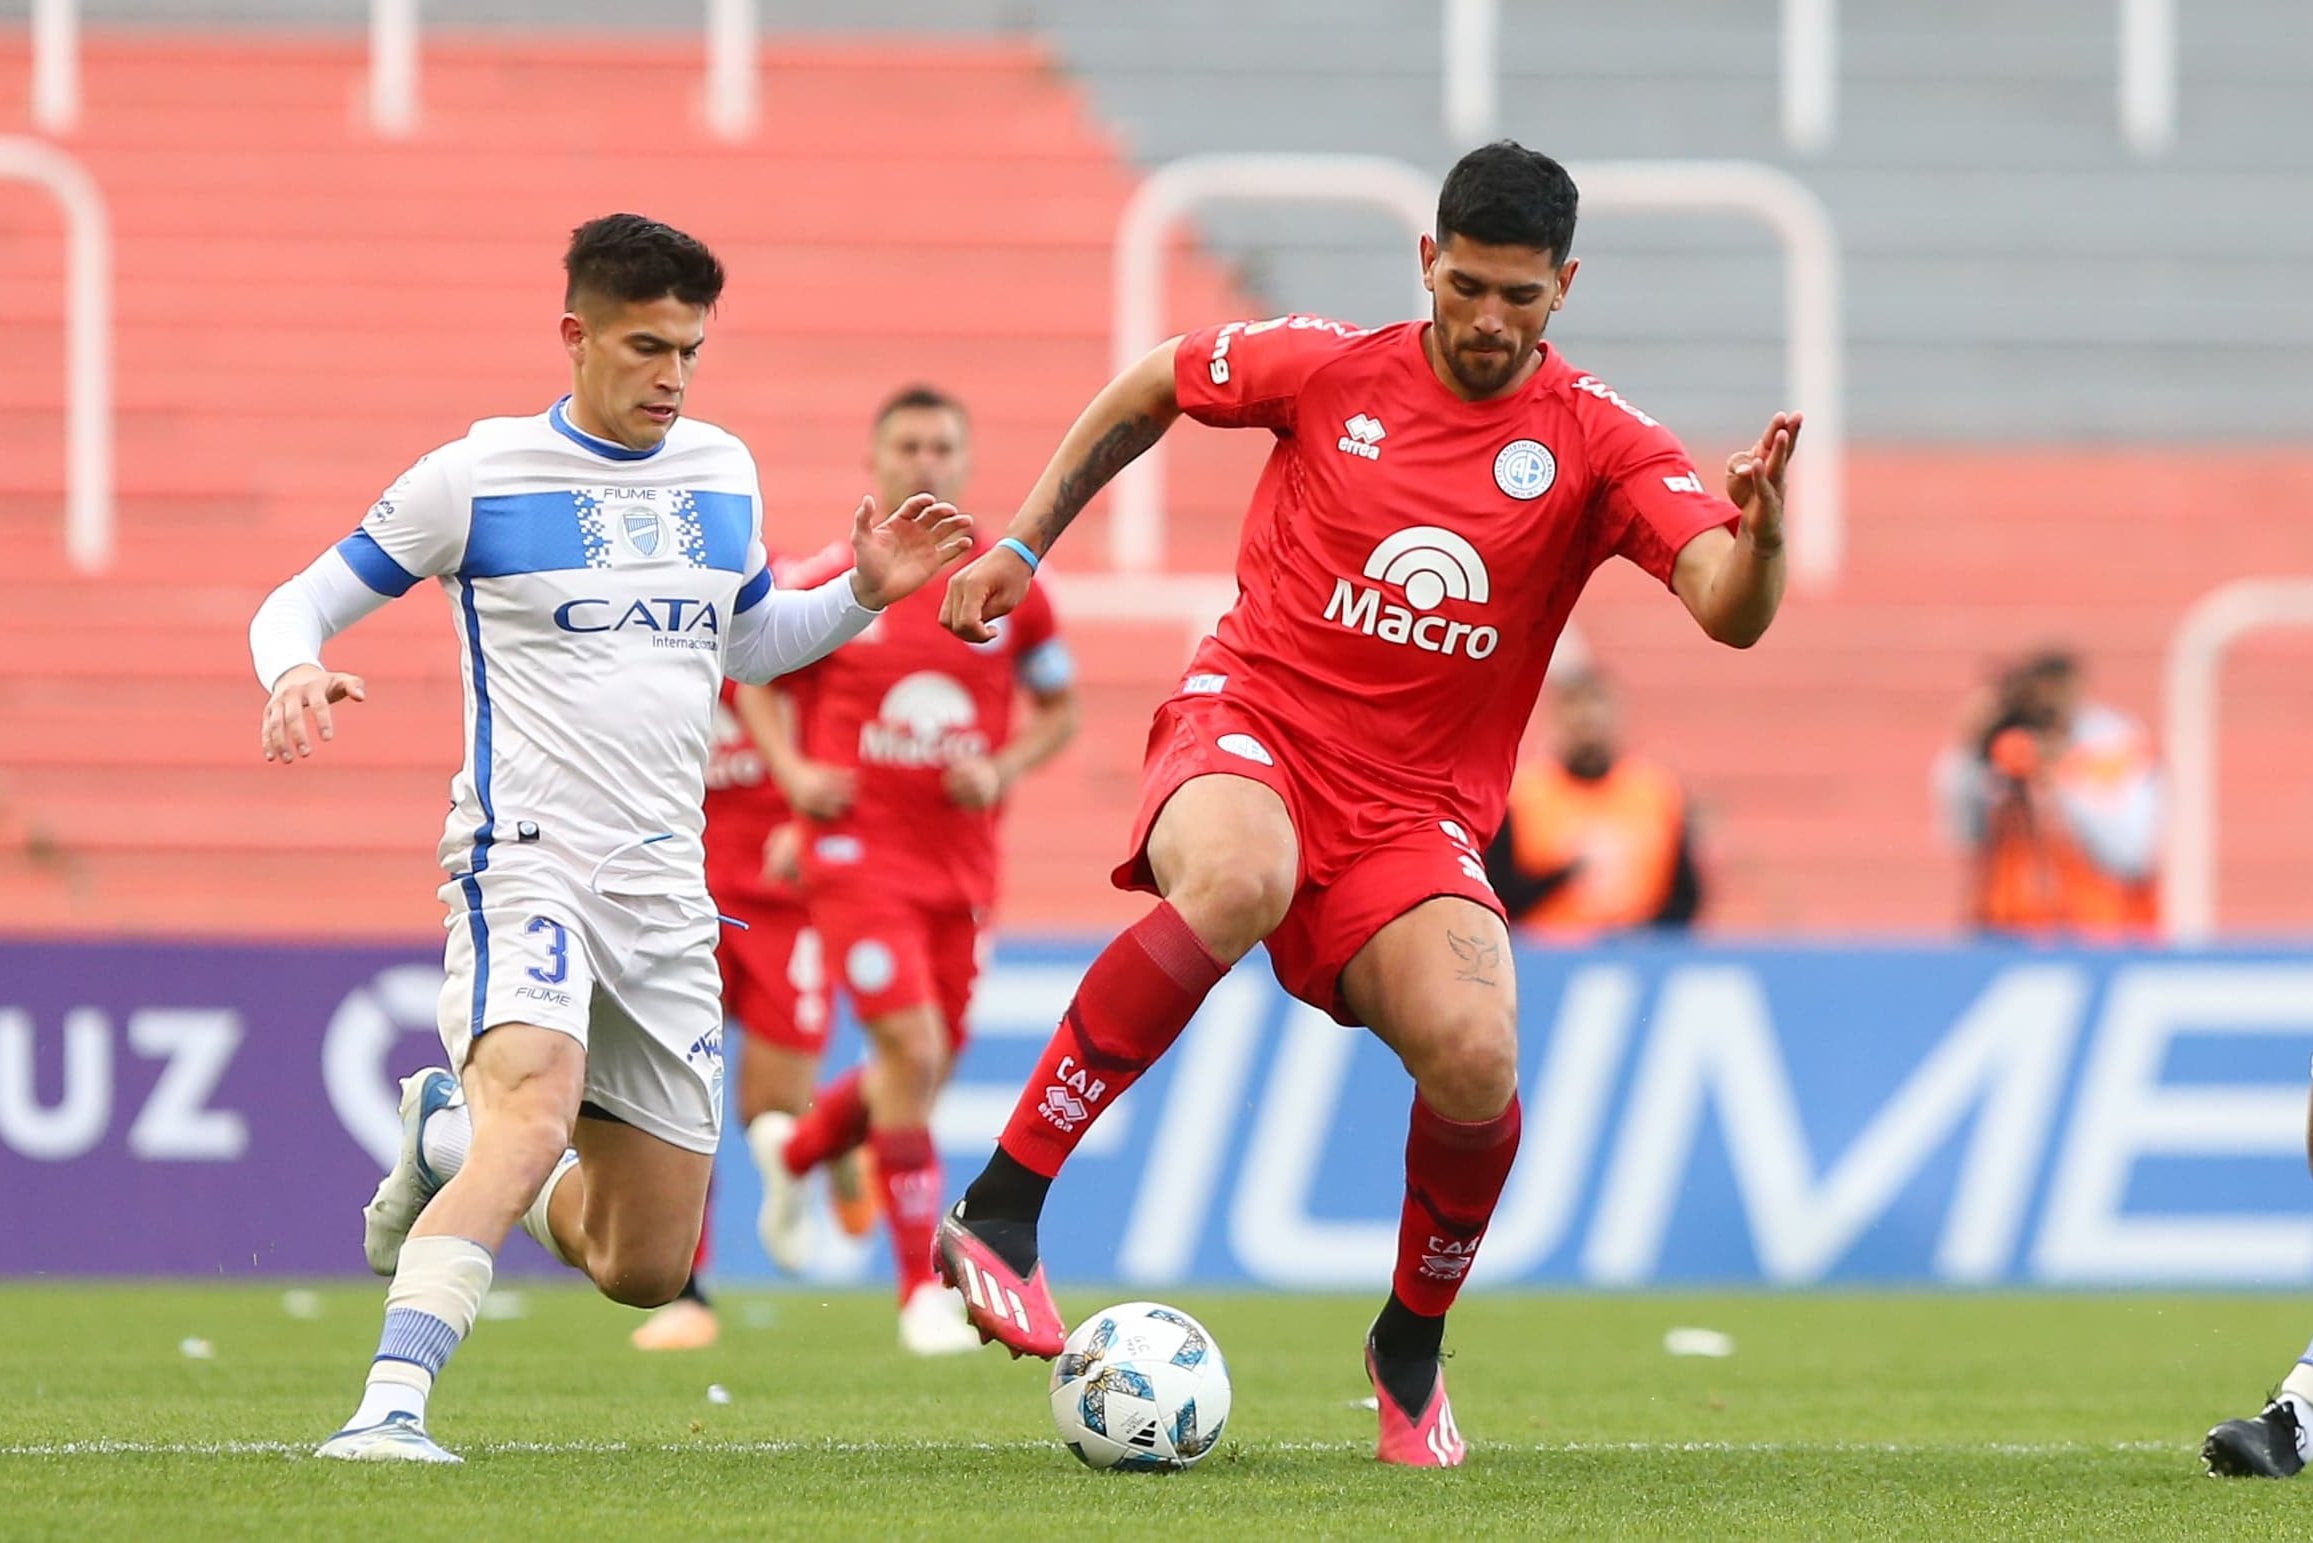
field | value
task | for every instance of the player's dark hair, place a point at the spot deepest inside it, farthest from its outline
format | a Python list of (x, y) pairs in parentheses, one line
[(625, 257), (920, 398), (1504, 194)]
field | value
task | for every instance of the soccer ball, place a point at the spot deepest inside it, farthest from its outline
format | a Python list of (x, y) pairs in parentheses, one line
[(1140, 1385)]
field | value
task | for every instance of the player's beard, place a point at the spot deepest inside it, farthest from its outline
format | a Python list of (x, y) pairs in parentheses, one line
[(1483, 372)]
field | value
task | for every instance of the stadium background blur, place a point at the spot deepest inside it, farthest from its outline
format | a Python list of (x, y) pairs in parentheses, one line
[(2077, 376)]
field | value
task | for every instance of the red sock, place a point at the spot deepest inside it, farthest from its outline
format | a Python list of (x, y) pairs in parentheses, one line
[(909, 1171), (834, 1124), (1133, 1003), (1454, 1174)]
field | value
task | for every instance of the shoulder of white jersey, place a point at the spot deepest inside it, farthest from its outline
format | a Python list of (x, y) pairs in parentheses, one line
[(688, 432), (694, 436), (509, 429)]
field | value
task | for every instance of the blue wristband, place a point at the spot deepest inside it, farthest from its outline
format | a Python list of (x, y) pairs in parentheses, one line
[(1019, 549)]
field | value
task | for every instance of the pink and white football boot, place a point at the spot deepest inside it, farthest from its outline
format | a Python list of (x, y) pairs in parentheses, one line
[(1416, 1438)]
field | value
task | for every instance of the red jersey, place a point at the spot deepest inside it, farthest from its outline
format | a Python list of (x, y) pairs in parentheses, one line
[(902, 702), (743, 808), (743, 804), (1410, 558)]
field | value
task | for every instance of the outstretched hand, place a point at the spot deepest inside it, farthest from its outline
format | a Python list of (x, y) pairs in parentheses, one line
[(301, 693), (1755, 481), (989, 586), (895, 555)]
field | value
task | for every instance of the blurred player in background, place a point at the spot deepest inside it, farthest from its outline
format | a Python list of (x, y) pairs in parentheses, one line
[(2058, 802), (915, 728), (774, 985), (1438, 495), (1595, 838), (604, 562)]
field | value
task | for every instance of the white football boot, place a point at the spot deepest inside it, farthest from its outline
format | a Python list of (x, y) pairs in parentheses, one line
[(398, 1438), (784, 1223), (933, 1323), (409, 1184)]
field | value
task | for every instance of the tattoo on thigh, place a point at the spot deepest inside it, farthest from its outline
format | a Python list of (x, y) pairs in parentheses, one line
[(1480, 958)]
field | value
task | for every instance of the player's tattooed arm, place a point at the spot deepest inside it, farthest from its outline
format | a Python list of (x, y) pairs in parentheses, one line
[(1111, 453), (1131, 413), (1477, 960), (1116, 427)]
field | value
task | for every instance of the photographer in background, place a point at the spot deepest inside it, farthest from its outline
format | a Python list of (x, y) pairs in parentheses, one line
[(2060, 802), (1595, 839)]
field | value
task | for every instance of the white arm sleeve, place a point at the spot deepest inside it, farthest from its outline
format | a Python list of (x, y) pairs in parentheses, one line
[(313, 607), (787, 629)]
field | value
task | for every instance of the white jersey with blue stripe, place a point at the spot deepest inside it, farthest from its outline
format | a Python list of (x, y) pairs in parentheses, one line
[(592, 587)]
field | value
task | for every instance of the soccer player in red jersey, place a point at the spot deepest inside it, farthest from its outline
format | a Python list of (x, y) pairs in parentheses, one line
[(918, 725), (1328, 773)]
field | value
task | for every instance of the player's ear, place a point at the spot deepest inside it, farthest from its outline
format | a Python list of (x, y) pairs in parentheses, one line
[(1565, 280), (1429, 250), (573, 335)]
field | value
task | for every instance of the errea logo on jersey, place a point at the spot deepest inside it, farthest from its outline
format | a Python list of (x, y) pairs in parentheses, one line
[(1429, 565), (1363, 438), (926, 719)]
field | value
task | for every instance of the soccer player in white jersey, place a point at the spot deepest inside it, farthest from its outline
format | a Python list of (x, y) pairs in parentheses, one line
[(605, 570)]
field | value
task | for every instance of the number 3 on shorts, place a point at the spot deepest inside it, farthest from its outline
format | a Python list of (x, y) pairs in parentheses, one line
[(557, 952)]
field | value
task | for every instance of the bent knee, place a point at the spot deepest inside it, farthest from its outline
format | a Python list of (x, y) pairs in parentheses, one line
[(1232, 907), (1471, 1072), (640, 1282)]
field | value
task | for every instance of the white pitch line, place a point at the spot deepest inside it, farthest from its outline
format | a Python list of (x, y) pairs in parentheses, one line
[(104, 1448)]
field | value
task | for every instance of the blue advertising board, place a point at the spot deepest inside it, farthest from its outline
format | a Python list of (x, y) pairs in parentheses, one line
[(1971, 1116)]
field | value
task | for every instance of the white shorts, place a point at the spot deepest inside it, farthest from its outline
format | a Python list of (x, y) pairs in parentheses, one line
[(632, 979)]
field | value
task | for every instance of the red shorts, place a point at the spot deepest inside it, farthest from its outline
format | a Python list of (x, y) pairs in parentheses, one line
[(774, 981), (891, 954), (1363, 864)]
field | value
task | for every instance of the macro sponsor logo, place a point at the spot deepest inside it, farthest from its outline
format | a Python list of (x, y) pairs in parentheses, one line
[(926, 719), (1428, 565)]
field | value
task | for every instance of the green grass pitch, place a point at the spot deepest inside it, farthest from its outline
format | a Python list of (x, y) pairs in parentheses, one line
[(1838, 1416)]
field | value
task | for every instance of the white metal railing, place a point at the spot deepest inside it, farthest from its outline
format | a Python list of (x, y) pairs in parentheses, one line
[(1194, 601), (87, 343), (733, 57), (2196, 656), (393, 67), (1811, 288), (1810, 73), (55, 65), (1471, 80), (2147, 74)]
